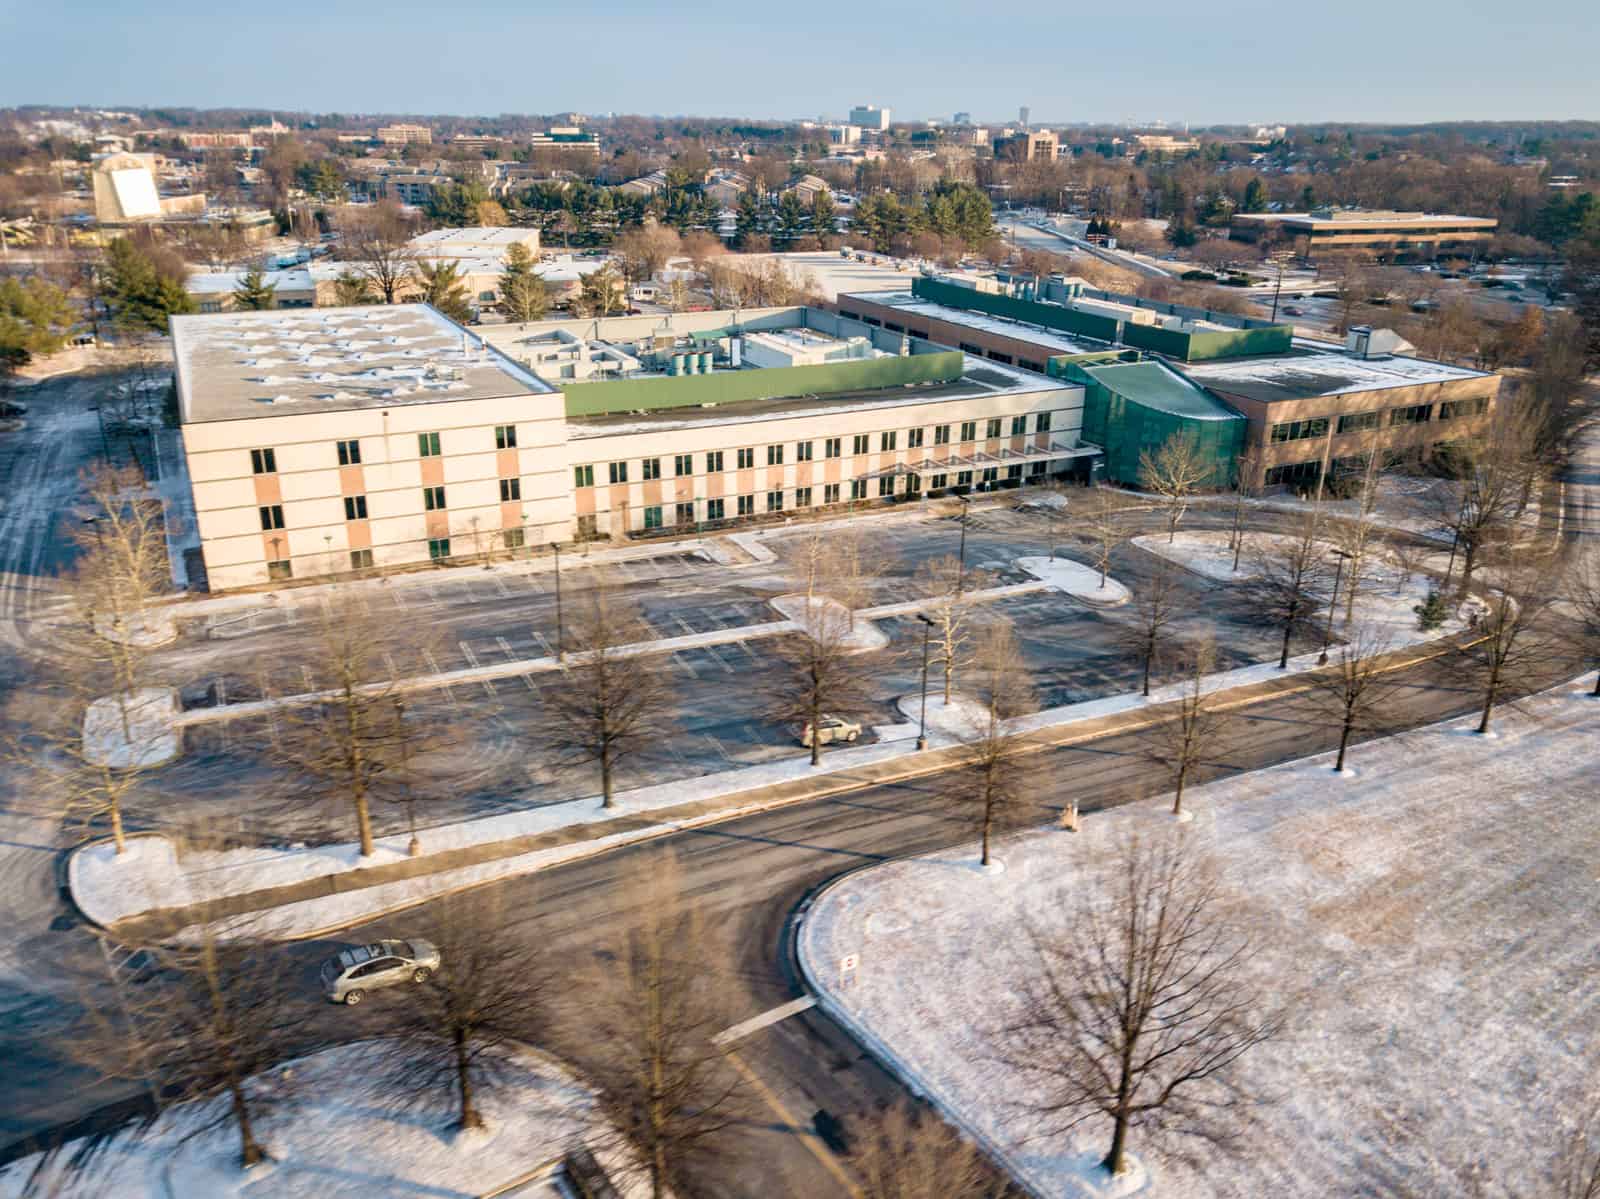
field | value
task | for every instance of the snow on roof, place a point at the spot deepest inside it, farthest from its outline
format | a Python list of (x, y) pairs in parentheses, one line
[(1004, 326), (288, 361), (479, 239), (1307, 373)]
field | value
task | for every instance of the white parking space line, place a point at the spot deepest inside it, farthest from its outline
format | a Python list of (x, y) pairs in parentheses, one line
[(500, 586), (535, 584), (528, 679), (397, 594), (433, 665), (748, 652), (305, 673), (466, 652), (505, 647), (717, 658), (685, 625), (543, 644), (717, 745), (683, 664)]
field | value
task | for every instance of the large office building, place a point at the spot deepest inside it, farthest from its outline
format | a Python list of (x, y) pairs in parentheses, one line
[(870, 116), (1040, 145), (354, 438), (1287, 410), (1331, 231)]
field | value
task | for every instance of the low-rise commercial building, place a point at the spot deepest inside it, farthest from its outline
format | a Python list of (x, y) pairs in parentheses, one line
[(405, 135), (1330, 231), (482, 241), (358, 438)]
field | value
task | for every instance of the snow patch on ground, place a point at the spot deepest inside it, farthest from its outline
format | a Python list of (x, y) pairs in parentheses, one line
[(963, 717), (1081, 582), (149, 628), (138, 730), (340, 1136), (1421, 914), (830, 616)]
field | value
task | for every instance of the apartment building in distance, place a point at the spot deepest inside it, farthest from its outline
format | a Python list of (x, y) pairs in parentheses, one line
[(320, 442), (405, 135), (1332, 231), (1027, 146)]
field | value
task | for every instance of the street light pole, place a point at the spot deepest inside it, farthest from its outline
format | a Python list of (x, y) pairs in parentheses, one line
[(561, 629), (961, 570), (927, 631), (1327, 632)]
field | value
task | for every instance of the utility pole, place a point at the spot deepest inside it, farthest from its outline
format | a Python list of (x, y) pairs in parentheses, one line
[(561, 638), (927, 631)]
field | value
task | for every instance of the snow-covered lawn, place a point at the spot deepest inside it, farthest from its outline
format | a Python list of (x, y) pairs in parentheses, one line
[(1077, 580), (1429, 919), (337, 1135), (140, 730)]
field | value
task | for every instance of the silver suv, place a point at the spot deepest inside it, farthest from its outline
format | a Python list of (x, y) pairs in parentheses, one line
[(348, 977)]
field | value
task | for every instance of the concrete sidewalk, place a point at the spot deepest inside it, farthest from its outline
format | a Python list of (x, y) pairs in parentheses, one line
[(323, 904)]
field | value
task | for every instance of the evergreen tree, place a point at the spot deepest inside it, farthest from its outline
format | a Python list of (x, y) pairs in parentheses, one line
[(351, 289), (35, 317), (1255, 196), (791, 217), (141, 297), (443, 288), (748, 220), (824, 217), (254, 293), (523, 295), (601, 293)]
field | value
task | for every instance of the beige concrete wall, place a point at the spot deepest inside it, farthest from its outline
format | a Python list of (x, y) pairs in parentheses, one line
[(312, 484)]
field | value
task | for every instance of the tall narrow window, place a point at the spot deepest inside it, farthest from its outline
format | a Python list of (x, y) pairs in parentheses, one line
[(272, 517), (433, 499), (619, 472), (355, 507), (263, 462), (505, 437), (510, 489), (583, 476), (428, 445), (350, 453)]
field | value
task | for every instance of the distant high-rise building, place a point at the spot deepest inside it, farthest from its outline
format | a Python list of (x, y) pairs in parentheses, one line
[(870, 116), (1022, 116), (961, 118)]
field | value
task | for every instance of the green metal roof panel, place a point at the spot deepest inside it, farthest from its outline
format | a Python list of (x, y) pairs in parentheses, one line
[(1155, 386)]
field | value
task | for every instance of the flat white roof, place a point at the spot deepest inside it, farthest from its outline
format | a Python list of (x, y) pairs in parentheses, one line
[(1005, 327), (290, 361), (482, 238), (1306, 374)]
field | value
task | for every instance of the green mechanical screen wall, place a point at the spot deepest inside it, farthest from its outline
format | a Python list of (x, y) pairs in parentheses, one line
[(1125, 428)]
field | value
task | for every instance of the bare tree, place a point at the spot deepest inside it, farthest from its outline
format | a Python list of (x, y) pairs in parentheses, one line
[(1181, 741), (824, 666), (1577, 1166), (1355, 687), (1174, 471), (1150, 615), (999, 774), (208, 1022), (1408, 555), (1101, 524), (663, 1084), (462, 1028), (376, 241), (1291, 572), (1584, 594), (1245, 473), (1136, 1010), (1496, 472), (951, 611), (1358, 536), (909, 1153), (604, 705), (1507, 648)]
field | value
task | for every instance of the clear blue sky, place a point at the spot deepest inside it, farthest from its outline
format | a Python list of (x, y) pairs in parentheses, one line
[(1349, 60)]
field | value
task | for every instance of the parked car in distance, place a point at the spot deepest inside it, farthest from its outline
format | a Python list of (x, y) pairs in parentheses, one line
[(1291, 310), (833, 728), (348, 977), (7, 408)]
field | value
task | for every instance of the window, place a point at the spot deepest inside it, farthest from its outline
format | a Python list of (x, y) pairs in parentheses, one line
[(968, 348), (272, 517), (1294, 472), (355, 507), (913, 484), (438, 547), (1355, 422), (683, 464), (941, 435), (993, 428), (745, 459), (618, 471), (802, 497), (514, 539), (360, 559), (858, 489), (505, 437), (714, 462), (1014, 471), (830, 448), (886, 442), (886, 485), (830, 493), (433, 499), (428, 445), (588, 528), (1019, 426), (1036, 469), (349, 453), (802, 451), (1413, 415), (652, 516), (683, 514), (913, 439), (1454, 409), (938, 482), (510, 489), (969, 430), (263, 462), (714, 509), (650, 468), (774, 455), (1041, 423), (991, 474), (859, 445), (1300, 430), (583, 476), (997, 356), (280, 569), (963, 478), (1028, 365), (746, 505), (774, 501)]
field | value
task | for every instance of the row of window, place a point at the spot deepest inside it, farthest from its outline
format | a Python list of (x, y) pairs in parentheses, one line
[(832, 447), (1357, 422), (438, 549), (264, 461), (355, 506)]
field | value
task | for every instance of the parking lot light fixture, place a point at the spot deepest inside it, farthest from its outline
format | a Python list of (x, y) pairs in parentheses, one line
[(1327, 632), (961, 570), (561, 637), (927, 631)]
